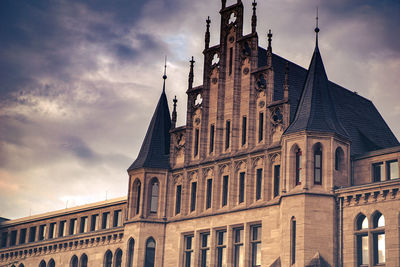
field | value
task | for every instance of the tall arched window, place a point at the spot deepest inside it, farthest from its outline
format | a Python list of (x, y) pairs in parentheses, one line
[(21, 265), (154, 186), (293, 240), (137, 186), (362, 240), (339, 155), (317, 164), (150, 252), (83, 261), (51, 263), (42, 264), (378, 236), (131, 247), (118, 258), (108, 259), (74, 261), (298, 166)]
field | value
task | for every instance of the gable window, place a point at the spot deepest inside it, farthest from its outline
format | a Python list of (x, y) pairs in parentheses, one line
[(277, 178), (318, 165), (260, 126), (244, 130), (196, 142), (154, 195), (298, 167), (188, 252), (378, 172), (178, 199), (227, 134), (193, 196), (392, 169), (241, 187), (150, 252), (258, 183), (212, 129), (204, 250), (225, 180), (221, 249), (256, 246), (209, 193)]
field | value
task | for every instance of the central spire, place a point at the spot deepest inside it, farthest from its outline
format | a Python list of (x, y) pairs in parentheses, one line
[(316, 30), (165, 73)]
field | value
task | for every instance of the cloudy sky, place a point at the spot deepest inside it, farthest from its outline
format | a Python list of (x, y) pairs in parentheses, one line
[(79, 80)]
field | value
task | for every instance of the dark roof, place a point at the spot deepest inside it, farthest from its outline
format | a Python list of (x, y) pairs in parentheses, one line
[(154, 152), (316, 110), (359, 117)]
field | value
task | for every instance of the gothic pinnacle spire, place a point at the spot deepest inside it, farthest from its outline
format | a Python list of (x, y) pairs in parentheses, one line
[(174, 114), (254, 18), (165, 73), (191, 75), (207, 37), (223, 4), (316, 30), (269, 40)]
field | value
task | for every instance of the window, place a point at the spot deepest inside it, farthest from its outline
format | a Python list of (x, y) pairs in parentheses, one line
[(84, 224), (150, 252), (178, 198), (230, 60), (378, 172), (22, 236), (256, 246), (105, 224), (154, 196), (131, 248), (293, 241), (392, 169), (4, 237), (74, 261), (108, 259), (137, 190), (258, 183), (188, 252), (238, 251), (298, 167), (244, 130), (241, 187), (260, 126), (61, 229), (209, 193), (32, 234), (193, 196), (379, 238), (42, 264), (225, 180), (277, 178), (83, 261), (72, 226), (362, 240), (221, 249), (212, 129), (118, 258), (42, 231), (227, 134), (53, 264), (52, 230), (338, 158), (13, 238), (196, 141), (204, 250), (94, 224), (117, 218), (318, 165)]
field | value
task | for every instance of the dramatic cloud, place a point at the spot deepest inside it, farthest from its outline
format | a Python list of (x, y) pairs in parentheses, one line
[(79, 80)]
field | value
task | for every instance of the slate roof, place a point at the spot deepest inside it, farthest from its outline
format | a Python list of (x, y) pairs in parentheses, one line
[(366, 128), (154, 152)]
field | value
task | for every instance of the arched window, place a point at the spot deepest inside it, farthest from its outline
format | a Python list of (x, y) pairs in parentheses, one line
[(21, 265), (137, 186), (378, 236), (293, 240), (74, 261), (108, 259), (298, 166), (13, 265), (317, 164), (131, 247), (118, 258), (339, 155), (154, 186), (51, 263), (42, 264), (83, 260), (362, 240), (150, 252)]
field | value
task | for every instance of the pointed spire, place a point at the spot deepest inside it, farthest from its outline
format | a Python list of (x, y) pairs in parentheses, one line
[(254, 18), (269, 49), (207, 37), (165, 74), (174, 114), (316, 29), (191, 75), (286, 82)]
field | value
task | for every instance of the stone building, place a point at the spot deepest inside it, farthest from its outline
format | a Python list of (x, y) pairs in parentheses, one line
[(276, 166)]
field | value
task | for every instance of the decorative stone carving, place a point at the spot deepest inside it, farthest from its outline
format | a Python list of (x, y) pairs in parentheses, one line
[(246, 71), (239, 165), (224, 168), (257, 161), (276, 116), (177, 179), (208, 172), (274, 157), (192, 176), (261, 82)]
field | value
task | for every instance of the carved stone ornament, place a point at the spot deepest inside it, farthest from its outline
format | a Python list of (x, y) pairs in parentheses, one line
[(246, 71), (192, 176), (257, 161), (224, 168), (197, 121), (197, 101), (208, 172), (276, 116), (245, 51), (177, 179), (274, 157), (261, 82), (240, 165), (214, 80), (231, 39), (261, 104)]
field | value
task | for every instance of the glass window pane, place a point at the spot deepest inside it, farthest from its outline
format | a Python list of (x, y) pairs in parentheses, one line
[(381, 221), (393, 170), (364, 250), (381, 248), (364, 224)]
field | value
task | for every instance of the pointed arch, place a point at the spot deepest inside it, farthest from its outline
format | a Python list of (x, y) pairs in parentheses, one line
[(74, 261), (296, 156), (317, 162), (136, 191), (108, 259), (118, 258), (378, 220), (361, 222), (339, 159), (51, 263), (150, 252), (21, 265), (131, 247), (83, 262), (42, 264), (293, 240), (154, 195)]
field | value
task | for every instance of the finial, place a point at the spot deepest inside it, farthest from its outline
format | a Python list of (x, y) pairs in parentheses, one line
[(174, 114), (269, 39), (223, 4), (207, 37), (316, 29), (191, 75), (254, 18), (165, 73)]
